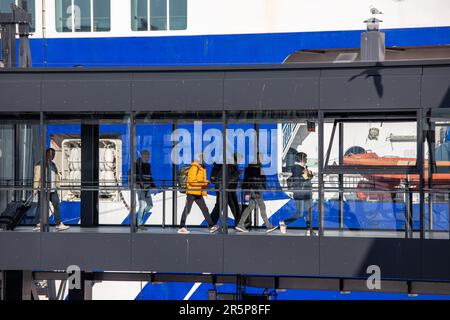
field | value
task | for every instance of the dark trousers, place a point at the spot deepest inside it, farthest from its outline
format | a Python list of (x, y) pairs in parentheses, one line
[(190, 199), (303, 208), (54, 199), (232, 202)]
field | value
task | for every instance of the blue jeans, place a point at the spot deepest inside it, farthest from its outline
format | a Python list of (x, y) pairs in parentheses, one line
[(303, 211), (145, 205), (54, 199)]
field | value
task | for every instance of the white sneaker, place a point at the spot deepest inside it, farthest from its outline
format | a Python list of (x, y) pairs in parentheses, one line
[(213, 229), (61, 227), (308, 233), (37, 227), (283, 227), (273, 228), (241, 229), (183, 231)]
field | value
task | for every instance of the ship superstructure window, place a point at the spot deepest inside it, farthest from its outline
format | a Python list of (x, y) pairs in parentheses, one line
[(83, 15), (5, 6), (153, 15)]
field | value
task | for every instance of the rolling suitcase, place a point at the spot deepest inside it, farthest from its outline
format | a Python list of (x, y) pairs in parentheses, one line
[(15, 211)]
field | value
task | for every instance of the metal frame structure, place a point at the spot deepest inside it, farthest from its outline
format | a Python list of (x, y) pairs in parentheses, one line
[(418, 86)]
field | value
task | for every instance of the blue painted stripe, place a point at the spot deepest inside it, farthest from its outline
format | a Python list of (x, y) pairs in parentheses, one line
[(212, 49)]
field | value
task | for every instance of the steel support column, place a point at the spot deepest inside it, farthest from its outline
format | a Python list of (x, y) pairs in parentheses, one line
[(89, 174), (12, 285), (320, 172), (132, 186), (341, 176)]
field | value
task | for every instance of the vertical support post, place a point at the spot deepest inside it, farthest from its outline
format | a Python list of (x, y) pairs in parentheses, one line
[(224, 193), (408, 210), (8, 40), (174, 184), (16, 162), (420, 167), (132, 124), (431, 168), (448, 211), (89, 174), (341, 176), (27, 284), (256, 212), (13, 285), (43, 194), (164, 205), (320, 171)]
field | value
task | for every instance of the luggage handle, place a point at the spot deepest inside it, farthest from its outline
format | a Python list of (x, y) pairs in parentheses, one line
[(29, 200)]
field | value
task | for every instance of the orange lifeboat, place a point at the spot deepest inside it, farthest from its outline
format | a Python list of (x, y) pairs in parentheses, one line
[(388, 181)]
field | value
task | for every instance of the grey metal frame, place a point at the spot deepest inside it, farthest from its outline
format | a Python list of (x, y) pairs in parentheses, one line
[(409, 85)]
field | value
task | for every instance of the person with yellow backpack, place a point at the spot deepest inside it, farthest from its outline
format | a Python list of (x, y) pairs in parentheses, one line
[(196, 183)]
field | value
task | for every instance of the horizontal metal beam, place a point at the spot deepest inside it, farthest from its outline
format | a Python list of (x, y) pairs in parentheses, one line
[(275, 282)]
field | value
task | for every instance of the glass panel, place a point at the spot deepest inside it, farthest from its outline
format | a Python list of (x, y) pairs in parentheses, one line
[(437, 162), (114, 168), (32, 10), (276, 155), (178, 14), (158, 14), (63, 15), (19, 153), (82, 15), (154, 173), (102, 15), (198, 146), (437, 225), (139, 15), (167, 145), (376, 144), (370, 205), (64, 136)]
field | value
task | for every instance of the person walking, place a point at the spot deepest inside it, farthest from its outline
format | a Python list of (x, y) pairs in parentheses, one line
[(145, 187), (254, 181), (232, 184), (301, 183), (196, 183), (52, 178)]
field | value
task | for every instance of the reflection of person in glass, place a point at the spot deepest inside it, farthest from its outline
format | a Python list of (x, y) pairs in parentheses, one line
[(53, 179), (144, 184), (301, 183), (232, 183), (254, 181), (196, 183)]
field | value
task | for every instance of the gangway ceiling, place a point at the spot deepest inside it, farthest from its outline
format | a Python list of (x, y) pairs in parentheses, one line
[(327, 86)]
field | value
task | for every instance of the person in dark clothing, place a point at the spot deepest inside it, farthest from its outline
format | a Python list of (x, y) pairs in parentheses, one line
[(144, 186), (232, 183), (301, 183), (254, 180)]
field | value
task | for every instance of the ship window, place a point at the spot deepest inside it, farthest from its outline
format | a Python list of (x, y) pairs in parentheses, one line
[(178, 15), (154, 15), (83, 15), (102, 15), (5, 6), (158, 15), (139, 15)]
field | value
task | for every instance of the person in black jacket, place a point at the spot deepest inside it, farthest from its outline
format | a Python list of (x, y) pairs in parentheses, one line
[(144, 186), (232, 183), (301, 183), (254, 181)]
